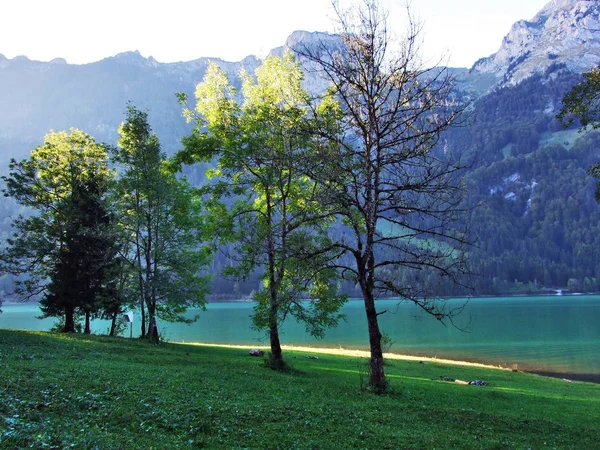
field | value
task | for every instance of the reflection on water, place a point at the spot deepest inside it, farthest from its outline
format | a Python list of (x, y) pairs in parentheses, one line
[(544, 334)]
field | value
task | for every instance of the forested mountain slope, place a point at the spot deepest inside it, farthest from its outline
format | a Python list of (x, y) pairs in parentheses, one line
[(532, 204)]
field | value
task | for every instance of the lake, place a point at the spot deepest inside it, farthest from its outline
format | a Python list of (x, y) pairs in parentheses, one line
[(553, 334)]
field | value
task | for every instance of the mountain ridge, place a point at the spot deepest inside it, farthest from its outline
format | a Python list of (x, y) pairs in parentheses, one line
[(563, 32), (560, 33)]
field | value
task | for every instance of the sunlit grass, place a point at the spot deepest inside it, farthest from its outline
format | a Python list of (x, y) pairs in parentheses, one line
[(73, 391), (351, 352)]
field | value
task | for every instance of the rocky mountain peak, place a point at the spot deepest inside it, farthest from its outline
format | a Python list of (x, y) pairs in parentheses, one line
[(300, 39), (563, 32), (130, 57), (314, 82)]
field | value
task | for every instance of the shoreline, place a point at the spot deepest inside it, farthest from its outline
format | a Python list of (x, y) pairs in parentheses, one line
[(581, 366), (551, 293), (348, 352), (567, 377), (224, 299)]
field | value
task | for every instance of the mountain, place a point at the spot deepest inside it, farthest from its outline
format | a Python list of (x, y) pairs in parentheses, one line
[(38, 96), (533, 205), (537, 220), (563, 32)]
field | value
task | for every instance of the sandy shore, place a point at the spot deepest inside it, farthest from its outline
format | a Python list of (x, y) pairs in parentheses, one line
[(354, 353)]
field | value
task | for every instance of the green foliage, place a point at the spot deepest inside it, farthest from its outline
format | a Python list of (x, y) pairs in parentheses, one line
[(163, 227), (82, 275), (582, 102), (72, 249), (66, 247), (133, 395), (262, 199)]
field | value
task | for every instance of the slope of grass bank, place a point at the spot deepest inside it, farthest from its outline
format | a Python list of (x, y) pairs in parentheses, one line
[(90, 392)]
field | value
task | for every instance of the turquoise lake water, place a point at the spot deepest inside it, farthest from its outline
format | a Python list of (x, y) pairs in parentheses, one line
[(558, 334)]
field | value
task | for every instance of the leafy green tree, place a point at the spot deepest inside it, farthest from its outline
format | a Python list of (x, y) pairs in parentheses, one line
[(397, 193), (163, 224), (64, 248), (261, 144), (582, 102)]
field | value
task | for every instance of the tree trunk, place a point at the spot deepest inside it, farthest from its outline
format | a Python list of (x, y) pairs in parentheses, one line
[(113, 324), (377, 379), (276, 358), (148, 279), (69, 319), (153, 330), (142, 285), (143, 310), (88, 328), (138, 250)]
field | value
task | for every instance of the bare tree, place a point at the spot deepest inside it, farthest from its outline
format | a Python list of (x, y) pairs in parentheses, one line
[(394, 183)]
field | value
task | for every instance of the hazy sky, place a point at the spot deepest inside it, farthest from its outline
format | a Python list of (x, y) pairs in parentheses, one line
[(181, 30)]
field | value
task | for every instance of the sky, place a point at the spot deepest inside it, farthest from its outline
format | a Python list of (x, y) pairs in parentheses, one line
[(82, 31)]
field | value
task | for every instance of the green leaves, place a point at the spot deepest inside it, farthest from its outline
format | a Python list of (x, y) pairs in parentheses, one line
[(162, 221), (583, 102), (66, 247), (261, 197), (216, 99), (69, 247), (48, 176)]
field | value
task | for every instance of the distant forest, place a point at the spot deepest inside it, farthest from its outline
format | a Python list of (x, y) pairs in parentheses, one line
[(536, 218)]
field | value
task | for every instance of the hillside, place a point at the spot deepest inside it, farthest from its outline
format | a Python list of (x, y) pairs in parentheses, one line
[(36, 97), (131, 394), (564, 32), (533, 206)]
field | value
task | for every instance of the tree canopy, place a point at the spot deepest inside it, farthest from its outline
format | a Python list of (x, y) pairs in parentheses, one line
[(97, 240), (261, 198), (162, 226), (64, 248)]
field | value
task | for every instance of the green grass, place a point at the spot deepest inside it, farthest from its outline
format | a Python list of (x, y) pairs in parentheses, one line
[(566, 138), (507, 150), (88, 392), (389, 229)]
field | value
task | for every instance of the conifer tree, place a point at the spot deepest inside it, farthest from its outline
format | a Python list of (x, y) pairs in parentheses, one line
[(64, 248)]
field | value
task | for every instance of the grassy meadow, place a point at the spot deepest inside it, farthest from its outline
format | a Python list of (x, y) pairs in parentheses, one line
[(92, 392)]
